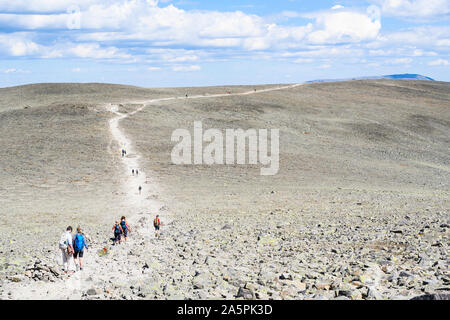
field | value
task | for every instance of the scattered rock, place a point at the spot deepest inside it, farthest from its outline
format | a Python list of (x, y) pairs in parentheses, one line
[(373, 294), (92, 292), (245, 293), (404, 274), (285, 276), (323, 286)]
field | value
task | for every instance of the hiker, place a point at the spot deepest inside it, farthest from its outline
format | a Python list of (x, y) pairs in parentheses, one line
[(140, 189), (117, 232), (123, 152), (79, 243), (125, 227), (132, 172), (186, 95), (137, 172), (157, 225), (66, 246)]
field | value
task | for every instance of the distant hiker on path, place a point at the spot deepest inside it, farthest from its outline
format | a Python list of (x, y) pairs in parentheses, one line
[(65, 244), (157, 225), (125, 227), (79, 243), (137, 172), (117, 232), (132, 172), (140, 189)]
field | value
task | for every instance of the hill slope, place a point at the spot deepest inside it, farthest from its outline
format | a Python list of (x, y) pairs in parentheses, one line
[(360, 200), (405, 76)]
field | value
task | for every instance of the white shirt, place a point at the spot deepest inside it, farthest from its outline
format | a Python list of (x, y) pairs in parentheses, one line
[(69, 238)]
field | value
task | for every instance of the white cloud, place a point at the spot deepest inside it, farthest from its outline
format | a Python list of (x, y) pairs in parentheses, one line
[(439, 62), (52, 6), (139, 30), (23, 48), (408, 51), (397, 61), (145, 21), (327, 52), (181, 68), (443, 43), (18, 45), (325, 66), (93, 50), (414, 8), (34, 21), (303, 60), (343, 26), (14, 70), (418, 41), (186, 58), (421, 53)]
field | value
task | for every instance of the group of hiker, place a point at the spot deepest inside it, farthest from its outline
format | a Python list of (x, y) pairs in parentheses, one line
[(72, 246), (120, 229)]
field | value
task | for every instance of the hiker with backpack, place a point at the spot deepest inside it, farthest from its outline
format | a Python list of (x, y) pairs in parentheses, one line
[(125, 227), (140, 189), (79, 243), (66, 246), (117, 232), (157, 225)]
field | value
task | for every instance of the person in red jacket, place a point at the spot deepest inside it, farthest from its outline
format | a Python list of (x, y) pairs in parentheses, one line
[(157, 225)]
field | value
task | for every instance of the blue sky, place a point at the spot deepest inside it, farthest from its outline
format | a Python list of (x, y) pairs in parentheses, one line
[(168, 43)]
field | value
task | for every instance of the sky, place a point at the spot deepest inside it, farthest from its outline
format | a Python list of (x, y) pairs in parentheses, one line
[(166, 43)]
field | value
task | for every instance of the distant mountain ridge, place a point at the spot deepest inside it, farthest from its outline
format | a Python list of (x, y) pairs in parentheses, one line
[(411, 76)]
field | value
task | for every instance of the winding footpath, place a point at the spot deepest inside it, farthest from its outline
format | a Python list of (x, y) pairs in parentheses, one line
[(131, 160)]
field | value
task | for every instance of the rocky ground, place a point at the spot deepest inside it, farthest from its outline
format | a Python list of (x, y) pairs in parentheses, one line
[(368, 220), (282, 254)]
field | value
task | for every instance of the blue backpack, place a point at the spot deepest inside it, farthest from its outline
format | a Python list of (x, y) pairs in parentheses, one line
[(78, 242)]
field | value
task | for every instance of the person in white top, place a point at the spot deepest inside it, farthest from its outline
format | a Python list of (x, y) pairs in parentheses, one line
[(67, 251)]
